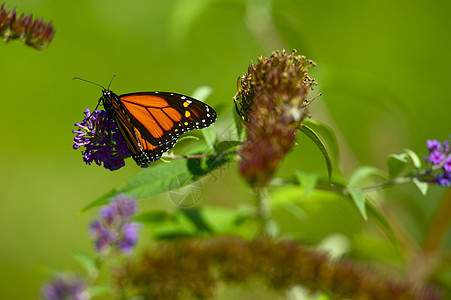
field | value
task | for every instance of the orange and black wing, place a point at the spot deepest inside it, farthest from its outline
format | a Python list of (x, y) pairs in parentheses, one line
[(151, 122), (140, 149), (162, 117)]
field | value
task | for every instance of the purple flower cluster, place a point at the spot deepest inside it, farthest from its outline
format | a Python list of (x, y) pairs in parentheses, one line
[(66, 287), (102, 140), (113, 230), (439, 160)]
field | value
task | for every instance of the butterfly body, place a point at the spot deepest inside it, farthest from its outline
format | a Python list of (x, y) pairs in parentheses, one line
[(151, 122)]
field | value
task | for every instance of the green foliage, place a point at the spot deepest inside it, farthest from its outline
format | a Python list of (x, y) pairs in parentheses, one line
[(365, 71), (321, 146)]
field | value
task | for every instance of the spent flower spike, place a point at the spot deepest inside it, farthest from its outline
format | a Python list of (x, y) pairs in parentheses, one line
[(272, 101), (35, 33), (114, 229), (439, 162), (102, 140)]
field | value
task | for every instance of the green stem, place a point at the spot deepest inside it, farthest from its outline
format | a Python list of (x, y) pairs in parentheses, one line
[(195, 156), (263, 208)]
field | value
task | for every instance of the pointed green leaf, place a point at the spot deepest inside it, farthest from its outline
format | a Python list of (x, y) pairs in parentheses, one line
[(396, 163), (327, 134), (162, 178), (153, 217), (358, 196), (219, 219), (315, 138), (209, 133), (196, 216), (307, 180), (416, 161), (422, 186), (202, 92), (87, 262), (100, 201), (385, 226), (363, 173)]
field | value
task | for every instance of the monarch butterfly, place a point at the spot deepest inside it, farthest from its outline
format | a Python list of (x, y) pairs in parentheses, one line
[(151, 122)]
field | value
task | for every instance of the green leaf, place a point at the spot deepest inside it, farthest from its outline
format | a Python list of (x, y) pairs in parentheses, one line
[(195, 215), (87, 262), (382, 221), (153, 217), (162, 178), (363, 173), (179, 225), (422, 186), (327, 134), (359, 198), (396, 163), (307, 180), (100, 201), (416, 161), (314, 137), (202, 92), (209, 136), (209, 133), (219, 219)]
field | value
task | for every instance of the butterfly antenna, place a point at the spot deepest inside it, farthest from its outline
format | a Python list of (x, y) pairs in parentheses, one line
[(114, 75), (90, 82)]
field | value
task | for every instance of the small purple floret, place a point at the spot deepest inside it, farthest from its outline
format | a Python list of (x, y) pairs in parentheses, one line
[(444, 179), (114, 229), (102, 140), (66, 287), (439, 162), (436, 157), (433, 145), (447, 164)]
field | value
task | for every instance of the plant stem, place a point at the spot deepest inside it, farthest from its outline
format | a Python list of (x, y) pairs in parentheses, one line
[(263, 208), (194, 156)]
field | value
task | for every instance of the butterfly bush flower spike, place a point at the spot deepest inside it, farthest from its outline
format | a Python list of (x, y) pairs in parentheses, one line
[(114, 229), (272, 100), (35, 33), (66, 287), (101, 139), (439, 162)]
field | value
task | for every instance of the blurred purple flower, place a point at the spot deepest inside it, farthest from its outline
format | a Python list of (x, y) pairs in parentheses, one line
[(447, 164), (102, 140), (66, 287), (436, 157), (113, 230), (439, 162), (433, 145), (444, 179)]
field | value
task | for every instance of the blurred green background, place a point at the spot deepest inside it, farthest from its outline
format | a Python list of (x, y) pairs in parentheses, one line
[(383, 69)]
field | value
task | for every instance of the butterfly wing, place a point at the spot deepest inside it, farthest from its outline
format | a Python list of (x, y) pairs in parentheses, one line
[(151, 122), (140, 149), (162, 117)]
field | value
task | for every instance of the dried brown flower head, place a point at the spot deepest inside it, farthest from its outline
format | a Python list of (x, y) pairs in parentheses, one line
[(192, 268), (35, 33), (272, 100)]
